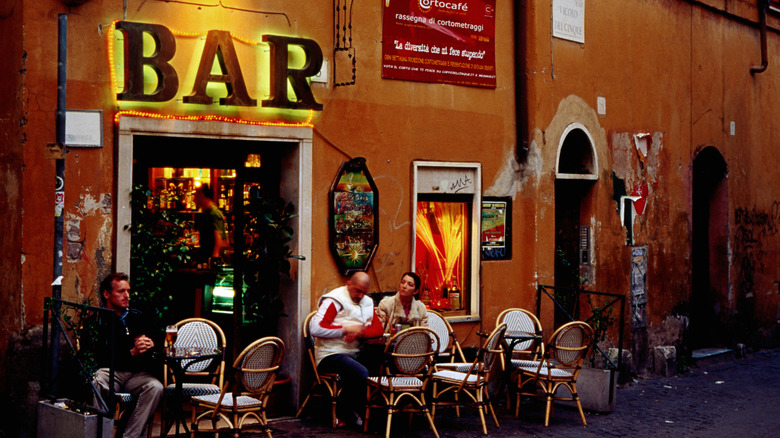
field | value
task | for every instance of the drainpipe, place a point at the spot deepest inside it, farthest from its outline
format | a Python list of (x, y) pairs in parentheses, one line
[(59, 198), (521, 87), (59, 189), (762, 7)]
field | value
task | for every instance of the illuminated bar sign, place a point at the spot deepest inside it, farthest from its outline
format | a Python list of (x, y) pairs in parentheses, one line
[(447, 41), (218, 64)]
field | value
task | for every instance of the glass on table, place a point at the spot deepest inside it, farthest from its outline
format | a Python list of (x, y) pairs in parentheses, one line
[(171, 332)]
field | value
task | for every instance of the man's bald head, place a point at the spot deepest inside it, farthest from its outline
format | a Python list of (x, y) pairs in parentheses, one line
[(358, 285)]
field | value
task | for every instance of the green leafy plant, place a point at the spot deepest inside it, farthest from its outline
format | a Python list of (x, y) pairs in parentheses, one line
[(598, 309), (158, 247), (268, 234), (76, 322), (600, 320)]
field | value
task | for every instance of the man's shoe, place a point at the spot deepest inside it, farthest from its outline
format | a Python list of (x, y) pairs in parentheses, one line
[(358, 419)]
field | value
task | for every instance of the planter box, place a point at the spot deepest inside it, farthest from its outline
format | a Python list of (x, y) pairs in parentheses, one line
[(56, 420), (593, 387)]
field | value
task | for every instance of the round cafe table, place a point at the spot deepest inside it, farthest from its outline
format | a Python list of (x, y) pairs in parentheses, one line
[(512, 338), (179, 359)]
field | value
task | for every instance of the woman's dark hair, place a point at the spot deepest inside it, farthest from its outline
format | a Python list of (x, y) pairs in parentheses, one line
[(415, 277)]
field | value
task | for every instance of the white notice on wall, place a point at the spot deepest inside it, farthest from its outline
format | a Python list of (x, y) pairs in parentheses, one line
[(568, 20), (84, 128)]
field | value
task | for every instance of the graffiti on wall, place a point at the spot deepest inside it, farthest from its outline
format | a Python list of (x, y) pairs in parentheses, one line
[(753, 226)]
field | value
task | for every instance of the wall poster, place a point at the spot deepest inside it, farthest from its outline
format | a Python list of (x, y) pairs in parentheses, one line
[(354, 203), (638, 287), (496, 228), (450, 42)]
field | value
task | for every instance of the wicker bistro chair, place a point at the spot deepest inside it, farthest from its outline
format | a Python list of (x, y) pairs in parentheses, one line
[(204, 377), (200, 333), (404, 376), (124, 402), (449, 385), (560, 367), (520, 352), (527, 352), (254, 373), (446, 344), (326, 385)]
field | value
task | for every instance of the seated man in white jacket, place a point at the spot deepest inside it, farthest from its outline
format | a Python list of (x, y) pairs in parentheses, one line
[(345, 317)]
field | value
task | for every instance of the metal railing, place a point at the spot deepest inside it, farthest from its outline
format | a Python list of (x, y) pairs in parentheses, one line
[(573, 311), (62, 323)]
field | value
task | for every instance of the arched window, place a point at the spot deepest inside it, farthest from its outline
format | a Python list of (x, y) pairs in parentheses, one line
[(576, 155)]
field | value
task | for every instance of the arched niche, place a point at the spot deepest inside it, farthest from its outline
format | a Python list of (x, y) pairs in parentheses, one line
[(576, 158)]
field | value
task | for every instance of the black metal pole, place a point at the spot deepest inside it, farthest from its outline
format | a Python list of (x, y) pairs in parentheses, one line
[(59, 191), (59, 188), (45, 381)]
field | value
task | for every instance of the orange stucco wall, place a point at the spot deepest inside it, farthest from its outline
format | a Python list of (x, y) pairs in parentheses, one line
[(674, 70), (681, 73)]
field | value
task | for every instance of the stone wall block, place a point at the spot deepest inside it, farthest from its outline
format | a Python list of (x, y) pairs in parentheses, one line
[(665, 360)]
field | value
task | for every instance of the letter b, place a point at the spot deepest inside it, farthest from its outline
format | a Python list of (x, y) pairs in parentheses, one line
[(134, 62)]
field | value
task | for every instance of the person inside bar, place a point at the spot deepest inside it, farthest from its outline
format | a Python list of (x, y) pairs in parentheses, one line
[(402, 309), (211, 225)]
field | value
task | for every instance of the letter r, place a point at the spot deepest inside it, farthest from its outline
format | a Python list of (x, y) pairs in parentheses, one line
[(134, 62), (280, 73)]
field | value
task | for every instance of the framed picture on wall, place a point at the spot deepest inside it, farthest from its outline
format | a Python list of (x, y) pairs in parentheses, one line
[(496, 228), (354, 203)]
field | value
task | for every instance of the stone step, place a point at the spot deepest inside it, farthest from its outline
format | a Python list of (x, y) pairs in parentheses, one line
[(706, 356)]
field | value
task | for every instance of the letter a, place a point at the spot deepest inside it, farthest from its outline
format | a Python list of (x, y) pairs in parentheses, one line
[(134, 62), (220, 44)]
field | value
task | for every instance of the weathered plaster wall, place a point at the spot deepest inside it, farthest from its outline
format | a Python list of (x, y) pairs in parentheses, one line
[(680, 73), (12, 144), (747, 101)]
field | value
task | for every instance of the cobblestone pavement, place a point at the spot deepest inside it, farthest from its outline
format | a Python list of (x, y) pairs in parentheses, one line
[(737, 397)]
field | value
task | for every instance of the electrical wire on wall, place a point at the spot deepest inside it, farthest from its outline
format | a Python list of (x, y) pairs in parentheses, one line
[(225, 6), (343, 39), (199, 5)]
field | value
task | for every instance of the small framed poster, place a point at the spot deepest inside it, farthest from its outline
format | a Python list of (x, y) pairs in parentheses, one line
[(354, 204), (496, 228)]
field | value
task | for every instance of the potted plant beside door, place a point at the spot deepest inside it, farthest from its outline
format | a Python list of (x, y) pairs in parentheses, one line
[(267, 256), (597, 383), (268, 253), (597, 380)]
